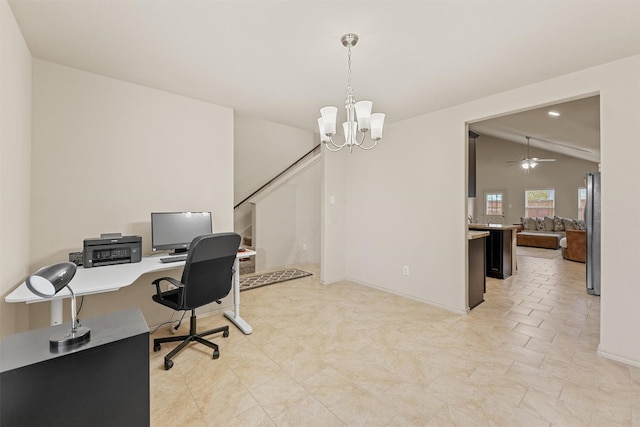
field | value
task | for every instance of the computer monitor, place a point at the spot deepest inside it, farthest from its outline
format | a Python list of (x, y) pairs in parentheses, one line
[(176, 230)]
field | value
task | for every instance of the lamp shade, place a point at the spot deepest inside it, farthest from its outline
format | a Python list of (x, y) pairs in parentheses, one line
[(377, 123), (329, 115), (350, 129), (363, 113), (48, 281), (323, 136)]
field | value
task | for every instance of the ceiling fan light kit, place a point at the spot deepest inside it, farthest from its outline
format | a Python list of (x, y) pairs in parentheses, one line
[(529, 162)]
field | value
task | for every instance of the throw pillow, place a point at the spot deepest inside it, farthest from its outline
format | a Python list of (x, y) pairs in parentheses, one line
[(568, 224), (539, 224), (580, 225), (548, 224), (532, 224), (524, 220), (558, 225)]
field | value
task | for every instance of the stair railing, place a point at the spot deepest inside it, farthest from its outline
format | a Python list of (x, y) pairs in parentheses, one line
[(287, 169)]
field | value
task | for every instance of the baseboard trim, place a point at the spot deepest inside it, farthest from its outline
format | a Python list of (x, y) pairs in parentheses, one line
[(618, 358), (435, 304)]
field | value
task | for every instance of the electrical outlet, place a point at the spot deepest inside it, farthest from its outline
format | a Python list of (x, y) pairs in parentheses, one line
[(405, 270)]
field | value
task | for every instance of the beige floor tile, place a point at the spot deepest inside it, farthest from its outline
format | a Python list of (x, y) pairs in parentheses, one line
[(257, 372), (361, 408), (413, 402), (554, 410), (276, 395), (309, 412), (350, 355), (254, 417)]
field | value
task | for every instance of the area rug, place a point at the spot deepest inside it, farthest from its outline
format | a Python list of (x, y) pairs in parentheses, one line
[(270, 278), (537, 252)]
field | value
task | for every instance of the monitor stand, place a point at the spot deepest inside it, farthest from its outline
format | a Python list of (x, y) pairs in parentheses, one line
[(181, 251)]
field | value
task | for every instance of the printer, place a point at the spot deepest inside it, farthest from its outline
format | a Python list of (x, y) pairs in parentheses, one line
[(111, 250)]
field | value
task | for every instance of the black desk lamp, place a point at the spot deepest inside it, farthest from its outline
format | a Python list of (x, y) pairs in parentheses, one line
[(47, 282)]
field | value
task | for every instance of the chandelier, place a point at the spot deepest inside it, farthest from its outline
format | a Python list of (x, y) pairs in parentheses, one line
[(359, 118)]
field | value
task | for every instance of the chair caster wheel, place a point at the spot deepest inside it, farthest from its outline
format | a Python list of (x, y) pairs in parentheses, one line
[(225, 334), (168, 364), (156, 348), (216, 354)]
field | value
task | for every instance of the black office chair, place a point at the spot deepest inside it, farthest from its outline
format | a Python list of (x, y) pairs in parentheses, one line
[(207, 277)]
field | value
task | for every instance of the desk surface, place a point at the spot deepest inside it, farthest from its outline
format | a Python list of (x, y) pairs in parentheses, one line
[(109, 278)]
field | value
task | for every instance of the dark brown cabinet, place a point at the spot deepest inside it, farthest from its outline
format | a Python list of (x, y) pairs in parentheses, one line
[(477, 271), (472, 164), (498, 246)]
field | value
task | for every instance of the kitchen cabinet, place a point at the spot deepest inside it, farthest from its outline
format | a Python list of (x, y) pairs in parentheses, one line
[(476, 268), (472, 164), (500, 247)]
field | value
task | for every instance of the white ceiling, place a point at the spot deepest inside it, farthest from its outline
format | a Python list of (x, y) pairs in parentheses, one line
[(282, 60)]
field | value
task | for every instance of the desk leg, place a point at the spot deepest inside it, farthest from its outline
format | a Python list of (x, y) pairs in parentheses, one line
[(234, 315), (56, 312)]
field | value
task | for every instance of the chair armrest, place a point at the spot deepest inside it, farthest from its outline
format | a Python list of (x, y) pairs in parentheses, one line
[(171, 280)]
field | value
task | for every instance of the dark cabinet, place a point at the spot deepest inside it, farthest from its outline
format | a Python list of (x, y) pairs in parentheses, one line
[(498, 246), (472, 164), (477, 271), (104, 382)]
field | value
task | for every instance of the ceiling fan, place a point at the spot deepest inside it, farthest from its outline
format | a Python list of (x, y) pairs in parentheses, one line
[(528, 163)]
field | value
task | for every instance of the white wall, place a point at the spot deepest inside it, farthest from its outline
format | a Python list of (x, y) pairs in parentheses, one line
[(333, 205), (565, 175), (15, 169), (106, 154), (407, 200), (287, 228)]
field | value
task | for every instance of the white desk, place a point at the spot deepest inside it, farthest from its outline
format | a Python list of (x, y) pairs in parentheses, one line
[(110, 278)]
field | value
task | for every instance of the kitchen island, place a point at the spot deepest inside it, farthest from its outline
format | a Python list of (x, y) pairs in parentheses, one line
[(500, 249)]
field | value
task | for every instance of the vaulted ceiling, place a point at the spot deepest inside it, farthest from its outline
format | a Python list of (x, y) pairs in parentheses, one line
[(572, 129), (282, 60)]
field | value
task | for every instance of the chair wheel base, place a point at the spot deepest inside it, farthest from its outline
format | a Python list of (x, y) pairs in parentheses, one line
[(225, 333), (168, 364), (216, 354), (156, 348)]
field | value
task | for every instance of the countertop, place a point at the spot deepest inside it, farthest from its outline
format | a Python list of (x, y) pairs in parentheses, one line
[(473, 234), (492, 227)]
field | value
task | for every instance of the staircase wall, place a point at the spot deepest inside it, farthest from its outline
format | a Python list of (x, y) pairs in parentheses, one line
[(287, 222), (262, 150)]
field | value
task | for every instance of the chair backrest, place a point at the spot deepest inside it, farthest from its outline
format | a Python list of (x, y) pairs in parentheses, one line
[(208, 271)]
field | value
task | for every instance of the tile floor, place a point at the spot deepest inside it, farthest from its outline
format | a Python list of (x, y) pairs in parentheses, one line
[(350, 355)]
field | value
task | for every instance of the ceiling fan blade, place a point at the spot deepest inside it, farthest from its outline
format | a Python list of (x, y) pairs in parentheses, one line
[(543, 160)]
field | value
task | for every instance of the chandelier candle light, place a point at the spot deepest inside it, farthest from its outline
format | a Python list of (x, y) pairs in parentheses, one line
[(359, 117)]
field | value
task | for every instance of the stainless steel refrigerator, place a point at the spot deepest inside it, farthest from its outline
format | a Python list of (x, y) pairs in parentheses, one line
[(592, 221)]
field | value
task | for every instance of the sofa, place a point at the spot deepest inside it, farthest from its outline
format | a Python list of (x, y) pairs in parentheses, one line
[(545, 232), (574, 245)]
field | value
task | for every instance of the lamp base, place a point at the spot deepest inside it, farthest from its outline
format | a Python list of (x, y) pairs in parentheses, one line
[(70, 337)]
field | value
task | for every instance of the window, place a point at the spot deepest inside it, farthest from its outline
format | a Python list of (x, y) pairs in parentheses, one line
[(582, 202), (493, 204), (539, 203)]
